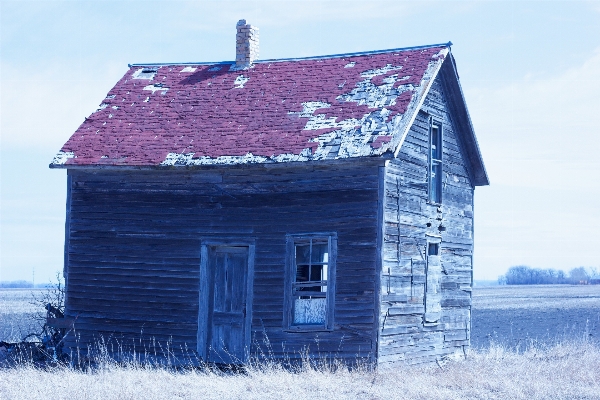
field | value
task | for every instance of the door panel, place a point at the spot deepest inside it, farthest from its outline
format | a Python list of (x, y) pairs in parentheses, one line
[(433, 295), (227, 310)]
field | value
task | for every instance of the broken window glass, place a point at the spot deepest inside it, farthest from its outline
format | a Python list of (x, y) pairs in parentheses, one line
[(434, 249), (309, 287)]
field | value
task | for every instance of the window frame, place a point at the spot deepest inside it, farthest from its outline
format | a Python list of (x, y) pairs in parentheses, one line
[(290, 279), (438, 162)]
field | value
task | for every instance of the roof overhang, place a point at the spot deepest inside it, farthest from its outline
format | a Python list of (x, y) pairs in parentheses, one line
[(365, 161), (462, 121)]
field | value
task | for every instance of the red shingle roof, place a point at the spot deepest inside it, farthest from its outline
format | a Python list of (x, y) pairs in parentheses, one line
[(276, 111)]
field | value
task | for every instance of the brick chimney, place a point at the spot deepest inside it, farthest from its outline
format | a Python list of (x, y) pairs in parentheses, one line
[(246, 44)]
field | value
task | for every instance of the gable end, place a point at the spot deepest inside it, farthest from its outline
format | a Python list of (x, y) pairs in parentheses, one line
[(460, 116)]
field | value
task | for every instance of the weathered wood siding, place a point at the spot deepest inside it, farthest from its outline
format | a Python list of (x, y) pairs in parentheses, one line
[(408, 218), (134, 247)]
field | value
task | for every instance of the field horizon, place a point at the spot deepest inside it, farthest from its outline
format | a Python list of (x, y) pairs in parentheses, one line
[(508, 315)]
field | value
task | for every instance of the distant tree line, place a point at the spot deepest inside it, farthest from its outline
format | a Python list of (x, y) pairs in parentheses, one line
[(21, 285), (524, 275)]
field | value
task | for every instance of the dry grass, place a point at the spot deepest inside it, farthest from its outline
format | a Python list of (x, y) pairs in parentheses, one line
[(562, 371), (568, 370), (17, 313)]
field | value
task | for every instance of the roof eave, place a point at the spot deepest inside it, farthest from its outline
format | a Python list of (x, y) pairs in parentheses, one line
[(373, 159), (416, 105), (458, 105)]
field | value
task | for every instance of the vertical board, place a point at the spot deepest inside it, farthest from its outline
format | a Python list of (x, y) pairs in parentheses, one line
[(433, 294), (203, 304), (69, 337), (380, 235)]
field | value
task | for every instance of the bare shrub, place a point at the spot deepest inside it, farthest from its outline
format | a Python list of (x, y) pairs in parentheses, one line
[(44, 346)]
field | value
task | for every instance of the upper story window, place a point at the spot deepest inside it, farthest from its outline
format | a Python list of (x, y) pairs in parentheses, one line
[(311, 279), (435, 161)]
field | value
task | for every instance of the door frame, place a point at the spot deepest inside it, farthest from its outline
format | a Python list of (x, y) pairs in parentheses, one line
[(204, 292), (431, 239)]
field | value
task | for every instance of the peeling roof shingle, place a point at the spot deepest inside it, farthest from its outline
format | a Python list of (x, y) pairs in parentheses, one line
[(276, 111)]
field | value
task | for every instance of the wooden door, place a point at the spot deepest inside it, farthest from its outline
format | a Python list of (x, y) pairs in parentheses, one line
[(228, 305)]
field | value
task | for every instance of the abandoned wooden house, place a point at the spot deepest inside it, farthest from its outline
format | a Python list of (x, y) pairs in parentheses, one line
[(319, 206)]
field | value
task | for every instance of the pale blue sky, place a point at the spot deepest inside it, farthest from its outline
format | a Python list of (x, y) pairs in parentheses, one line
[(530, 72)]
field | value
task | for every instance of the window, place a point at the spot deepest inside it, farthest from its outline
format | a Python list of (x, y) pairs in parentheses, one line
[(435, 162), (310, 282), (434, 249), (145, 73)]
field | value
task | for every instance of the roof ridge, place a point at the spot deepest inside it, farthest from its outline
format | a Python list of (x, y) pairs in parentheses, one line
[(271, 60)]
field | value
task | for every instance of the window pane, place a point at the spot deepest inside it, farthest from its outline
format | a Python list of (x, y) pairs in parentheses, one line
[(436, 183), (310, 311), (302, 254), (433, 185), (436, 147), (315, 273), (302, 273), (320, 253), (433, 249)]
